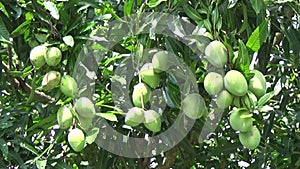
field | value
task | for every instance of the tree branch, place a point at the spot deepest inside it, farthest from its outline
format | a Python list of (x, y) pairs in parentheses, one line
[(20, 83)]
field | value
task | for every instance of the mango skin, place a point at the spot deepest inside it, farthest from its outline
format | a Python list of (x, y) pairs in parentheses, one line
[(76, 139), (141, 94), (134, 117), (160, 61), (149, 76), (257, 85), (64, 117), (224, 99), (250, 139), (238, 123), (216, 54), (53, 56), (213, 83), (68, 86), (152, 121), (193, 106), (85, 108), (37, 56), (51, 80), (235, 83)]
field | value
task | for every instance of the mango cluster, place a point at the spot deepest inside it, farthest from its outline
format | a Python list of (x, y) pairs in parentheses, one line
[(82, 114), (233, 90), (150, 78)]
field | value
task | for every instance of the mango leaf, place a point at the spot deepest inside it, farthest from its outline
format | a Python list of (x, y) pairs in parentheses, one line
[(128, 7), (69, 40), (3, 31), (265, 98), (92, 135), (256, 5), (259, 36), (155, 3), (4, 148), (53, 9), (108, 116)]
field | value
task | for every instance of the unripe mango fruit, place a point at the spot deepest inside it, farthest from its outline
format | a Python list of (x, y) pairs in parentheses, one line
[(240, 120), (141, 94), (51, 80), (250, 139), (216, 54), (64, 117), (134, 116), (85, 108), (193, 106), (37, 56), (235, 83), (85, 123), (53, 56), (257, 84), (76, 139), (152, 121), (68, 86), (224, 99), (149, 76), (160, 61), (213, 83)]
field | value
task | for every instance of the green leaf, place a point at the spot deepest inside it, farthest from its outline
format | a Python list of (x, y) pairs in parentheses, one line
[(3, 30), (2, 7), (192, 13), (128, 7), (4, 148), (265, 99), (29, 148), (92, 135), (21, 28), (257, 5), (108, 116), (53, 9), (243, 54), (69, 40), (41, 37), (259, 36), (155, 3)]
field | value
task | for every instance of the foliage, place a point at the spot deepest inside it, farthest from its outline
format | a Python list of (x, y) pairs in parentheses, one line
[(265, 34)]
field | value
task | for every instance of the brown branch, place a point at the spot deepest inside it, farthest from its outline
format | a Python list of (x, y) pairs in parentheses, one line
[(20, 83)]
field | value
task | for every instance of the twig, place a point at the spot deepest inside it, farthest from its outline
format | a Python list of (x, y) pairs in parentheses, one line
[(20, 83)]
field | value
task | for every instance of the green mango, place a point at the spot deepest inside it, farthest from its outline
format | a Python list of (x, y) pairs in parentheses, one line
[(257, 84), (68, 86), (193, 106), (53, 56), (134, 116), (141, 94), (216, 54), (51, 80), (37, 56), (235, 83), (213, 83), (149, 76), (152, 121), (85, 108), (224, 99), (85, 123), (160, 61), (76, 139), (240, 120), (64, 117), (251, 138)]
